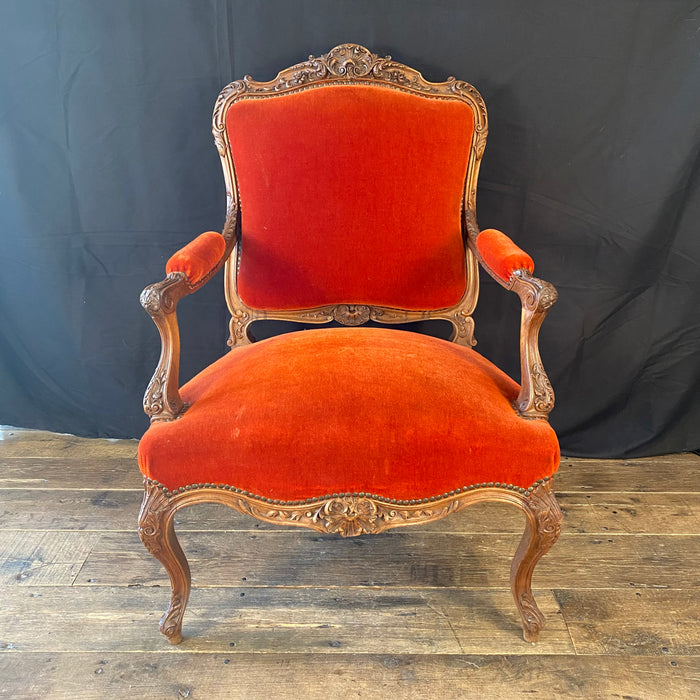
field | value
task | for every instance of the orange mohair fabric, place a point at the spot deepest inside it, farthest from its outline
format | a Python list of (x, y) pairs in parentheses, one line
[(350, 194), (199, 257), (372, 410), (501, 254)]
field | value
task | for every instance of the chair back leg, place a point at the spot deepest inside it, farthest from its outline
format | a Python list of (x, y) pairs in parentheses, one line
[(541, 532), (157, 532)]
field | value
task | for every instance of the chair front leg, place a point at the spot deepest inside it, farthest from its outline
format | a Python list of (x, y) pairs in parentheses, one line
[(157, 532), (541, 532)]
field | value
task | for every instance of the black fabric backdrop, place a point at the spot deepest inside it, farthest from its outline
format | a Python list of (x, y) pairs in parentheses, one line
[(107, 166)]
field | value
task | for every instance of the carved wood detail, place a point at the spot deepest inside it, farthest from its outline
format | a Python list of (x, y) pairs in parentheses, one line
[(162, 400), (541, 532), (351, 64), (350, 515), (242, 316), (157, 532), (536, 397)]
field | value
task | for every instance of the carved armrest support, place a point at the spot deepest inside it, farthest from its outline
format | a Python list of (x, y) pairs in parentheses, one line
[(536, 397), (162, 400)]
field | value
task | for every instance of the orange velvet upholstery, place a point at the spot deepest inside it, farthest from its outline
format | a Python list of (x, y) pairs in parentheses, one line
[(351, 193), (378, 411), (501, 254), (199, 257)]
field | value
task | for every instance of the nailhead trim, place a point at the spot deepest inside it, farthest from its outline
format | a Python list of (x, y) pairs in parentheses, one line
[(375, 497)]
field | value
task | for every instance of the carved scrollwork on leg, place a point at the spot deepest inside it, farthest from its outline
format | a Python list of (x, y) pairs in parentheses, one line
[(541, 532), (157, 532)]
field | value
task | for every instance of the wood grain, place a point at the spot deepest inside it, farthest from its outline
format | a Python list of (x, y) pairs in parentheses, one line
[(272, 620), (180, 674), (402, 559), (632, 621), (86, 473), (40, 444), (669, 473)]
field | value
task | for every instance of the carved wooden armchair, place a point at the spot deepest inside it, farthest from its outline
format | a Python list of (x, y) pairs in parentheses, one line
[(351, 187)]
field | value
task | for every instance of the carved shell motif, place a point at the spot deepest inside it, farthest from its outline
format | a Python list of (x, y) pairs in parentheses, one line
[(351, 314)]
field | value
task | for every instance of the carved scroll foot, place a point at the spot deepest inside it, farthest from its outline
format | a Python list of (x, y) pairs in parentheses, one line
[(541, 532), (157, 532)]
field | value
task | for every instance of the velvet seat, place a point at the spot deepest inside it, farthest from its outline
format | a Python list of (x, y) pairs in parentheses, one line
[(417, 417), (351, 195)]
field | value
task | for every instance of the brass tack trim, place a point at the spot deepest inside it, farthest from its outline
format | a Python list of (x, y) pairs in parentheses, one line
[(527, 492)]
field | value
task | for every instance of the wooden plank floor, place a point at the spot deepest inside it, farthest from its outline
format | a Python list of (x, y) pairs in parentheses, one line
[(420, 612)]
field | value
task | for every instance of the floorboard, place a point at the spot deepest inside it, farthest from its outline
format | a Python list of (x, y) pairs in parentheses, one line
[(95, 676)]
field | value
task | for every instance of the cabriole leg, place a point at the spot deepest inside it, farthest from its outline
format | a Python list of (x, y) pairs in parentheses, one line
[(541, 532), (157, 532)]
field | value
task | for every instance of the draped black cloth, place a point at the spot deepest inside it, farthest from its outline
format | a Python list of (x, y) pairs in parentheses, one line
[(592, 166)]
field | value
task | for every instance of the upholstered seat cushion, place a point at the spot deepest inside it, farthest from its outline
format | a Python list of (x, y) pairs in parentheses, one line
[(379, 411)]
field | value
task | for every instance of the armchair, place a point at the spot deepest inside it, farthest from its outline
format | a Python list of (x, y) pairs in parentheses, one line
[(351, 195)]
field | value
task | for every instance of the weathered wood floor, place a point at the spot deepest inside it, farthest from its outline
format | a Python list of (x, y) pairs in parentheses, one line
[(276, 613)]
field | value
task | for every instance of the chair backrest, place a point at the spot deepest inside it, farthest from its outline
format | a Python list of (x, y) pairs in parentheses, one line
[(350, 174)]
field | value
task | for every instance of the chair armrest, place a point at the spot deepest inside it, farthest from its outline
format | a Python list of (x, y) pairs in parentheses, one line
[(188, 270), (512, 268), (199, 259), (501, 256)]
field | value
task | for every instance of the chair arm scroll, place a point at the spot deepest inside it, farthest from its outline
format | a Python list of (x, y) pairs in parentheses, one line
[(162, 400), (536, 397)]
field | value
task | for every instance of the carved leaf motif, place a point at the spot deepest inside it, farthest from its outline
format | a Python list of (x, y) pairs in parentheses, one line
[(547, 513), (171, 622), (150, 300), (320, 315), (531, 614), (153, 507), (544, 394), (547, 298), (153, 401)]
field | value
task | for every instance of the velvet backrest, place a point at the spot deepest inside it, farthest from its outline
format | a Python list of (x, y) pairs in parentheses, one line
[(350, 193)]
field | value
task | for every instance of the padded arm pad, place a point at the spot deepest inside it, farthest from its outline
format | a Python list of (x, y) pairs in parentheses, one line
[(502, 255), (198, 258)]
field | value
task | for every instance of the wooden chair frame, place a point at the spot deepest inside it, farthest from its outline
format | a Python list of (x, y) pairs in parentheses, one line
[(349, 514)]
